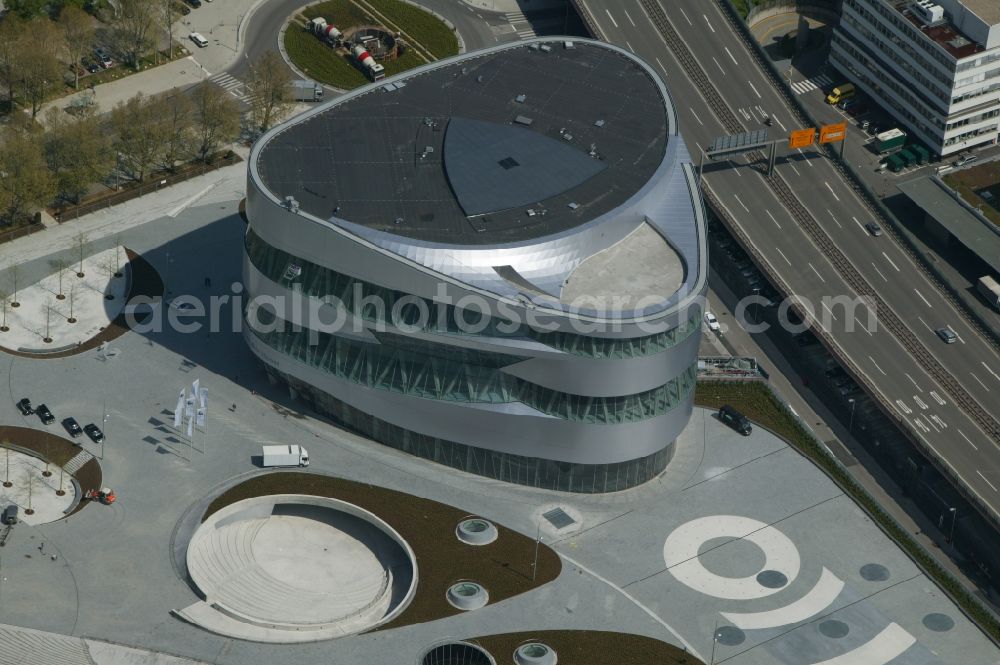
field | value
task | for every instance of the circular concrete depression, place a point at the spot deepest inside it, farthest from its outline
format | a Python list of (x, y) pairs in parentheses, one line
[(457, 653), (476, 531), (294, 568), (468, 595)]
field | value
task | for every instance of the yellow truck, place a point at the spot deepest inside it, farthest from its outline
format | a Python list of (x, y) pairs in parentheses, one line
[(840, 93)]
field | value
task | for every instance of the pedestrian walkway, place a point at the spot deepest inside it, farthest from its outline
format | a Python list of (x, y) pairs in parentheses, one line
[(77, 462), (232, 85), (802, 87), (520, 23)]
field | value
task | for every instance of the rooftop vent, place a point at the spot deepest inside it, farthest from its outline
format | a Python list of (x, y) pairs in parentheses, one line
[(568, 45), (520, 98), (545, 47), (292, 204), (523, 120), (929, 11), (508, 163), (599, 123)]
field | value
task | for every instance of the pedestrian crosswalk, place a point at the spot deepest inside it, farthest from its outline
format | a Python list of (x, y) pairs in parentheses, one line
[(802, 87), (232, 85), (521, 25)]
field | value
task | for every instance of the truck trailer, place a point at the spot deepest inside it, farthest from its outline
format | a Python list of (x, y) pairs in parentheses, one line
[(889, 140), (288, 455), (307, 91), (989, 288)]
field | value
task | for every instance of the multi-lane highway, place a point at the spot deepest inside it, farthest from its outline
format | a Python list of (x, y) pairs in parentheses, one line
[(808, 226)]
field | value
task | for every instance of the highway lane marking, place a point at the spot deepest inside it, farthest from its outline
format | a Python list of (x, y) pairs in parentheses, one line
[(629, 46), (921, 403), (980, 382), (794, 169), (665, 71), (915, 384), (730, 54), (863, 327), (876, 365), (937, 398), (685, 17), (709, 23), (925, 324), (831, 190), (721, 70), (629, 17), (608, 11), (817, 273), (752, 87), (783, 256), (860, 225), (827, 308), (939, 420), (922, 297), (950, 466), (920, 424), (772, 218), (890, 261), (692, 110), (901, 405), (963, 342), (974, 446), (879, 272), (784, 129), (808, 161), (740, 201), (990, 370), (933, 426), (834, 217), (992, 486)]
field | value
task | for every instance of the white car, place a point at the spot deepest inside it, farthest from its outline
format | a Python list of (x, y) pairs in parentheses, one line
[(713, 323)]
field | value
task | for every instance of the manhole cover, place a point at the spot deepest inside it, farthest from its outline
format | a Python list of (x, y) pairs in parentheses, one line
[(558, 518)]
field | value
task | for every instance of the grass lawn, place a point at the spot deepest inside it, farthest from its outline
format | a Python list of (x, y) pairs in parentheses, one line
[(321, 63), (424, 27), (341, 13), (760, 405), (971, 182), (743, 6), (503, 566), (585, 647)]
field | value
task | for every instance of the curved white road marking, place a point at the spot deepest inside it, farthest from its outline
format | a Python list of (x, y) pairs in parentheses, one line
[(680, 554), (815, 601), (887, 645), (652, 615)]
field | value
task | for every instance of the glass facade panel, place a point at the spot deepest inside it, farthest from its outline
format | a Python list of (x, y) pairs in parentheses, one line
[(519, 469), (374, 303)]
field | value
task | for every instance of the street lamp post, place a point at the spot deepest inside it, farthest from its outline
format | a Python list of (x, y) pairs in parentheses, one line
[(951, 533), (850, 427)]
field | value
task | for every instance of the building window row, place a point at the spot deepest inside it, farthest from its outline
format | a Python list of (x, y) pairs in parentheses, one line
[(375, 304), (441, 372), (901, 24), (508, 467)]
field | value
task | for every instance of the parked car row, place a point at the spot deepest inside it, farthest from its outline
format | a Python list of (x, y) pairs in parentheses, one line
[(70, 424)]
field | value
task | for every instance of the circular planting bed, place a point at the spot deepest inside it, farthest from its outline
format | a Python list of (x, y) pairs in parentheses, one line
[(294, 568)]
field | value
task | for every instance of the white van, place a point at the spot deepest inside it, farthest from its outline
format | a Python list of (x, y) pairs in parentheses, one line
[(198, 39)]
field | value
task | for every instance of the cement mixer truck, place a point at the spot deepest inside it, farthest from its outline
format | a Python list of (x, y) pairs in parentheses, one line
[(375, 70), (325, 31)]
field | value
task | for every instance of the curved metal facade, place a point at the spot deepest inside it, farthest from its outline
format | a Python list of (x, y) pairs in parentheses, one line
[(526, 394)]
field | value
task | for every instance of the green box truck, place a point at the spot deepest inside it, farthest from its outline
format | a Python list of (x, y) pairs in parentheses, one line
[(890, 140)]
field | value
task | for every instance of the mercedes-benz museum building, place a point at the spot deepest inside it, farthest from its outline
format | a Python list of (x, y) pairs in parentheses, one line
[(496, 262)]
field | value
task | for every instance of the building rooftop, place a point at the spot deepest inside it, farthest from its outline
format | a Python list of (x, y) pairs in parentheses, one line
[(943, 32), (988, 10), (934, 197), (497, 148)]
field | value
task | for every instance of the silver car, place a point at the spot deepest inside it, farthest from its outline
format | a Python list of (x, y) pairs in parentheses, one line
[(947, 335)]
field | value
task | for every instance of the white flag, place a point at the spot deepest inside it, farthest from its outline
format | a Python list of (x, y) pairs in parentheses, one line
[(194, 387), (201, 418), (204, 399), (189, 407), (179, 409), (190, 427)]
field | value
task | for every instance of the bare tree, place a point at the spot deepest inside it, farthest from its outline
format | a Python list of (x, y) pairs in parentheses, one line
[(43, 41), (77, 150), (25, 180), (138, 135), (11, 38), (176, 113), (217, 119), (72, 298), (133, 27), (269, 89), (14, 274), (165, 13), (78, 31), (81, 244), (60, 266)]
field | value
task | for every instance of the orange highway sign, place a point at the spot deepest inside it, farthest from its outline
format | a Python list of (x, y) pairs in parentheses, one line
[(833, 133), (801, 138)]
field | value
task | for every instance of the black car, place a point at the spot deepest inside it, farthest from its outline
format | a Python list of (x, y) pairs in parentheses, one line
[(733, 418), (94, 432), (72, 427), (24, 406), (194, 3), (44, 414)]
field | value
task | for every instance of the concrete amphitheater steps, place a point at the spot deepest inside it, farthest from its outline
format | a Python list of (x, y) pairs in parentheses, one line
[(22, 646), (77, 462)]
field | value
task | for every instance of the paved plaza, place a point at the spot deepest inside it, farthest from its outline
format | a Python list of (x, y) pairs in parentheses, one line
[(740, 532)]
